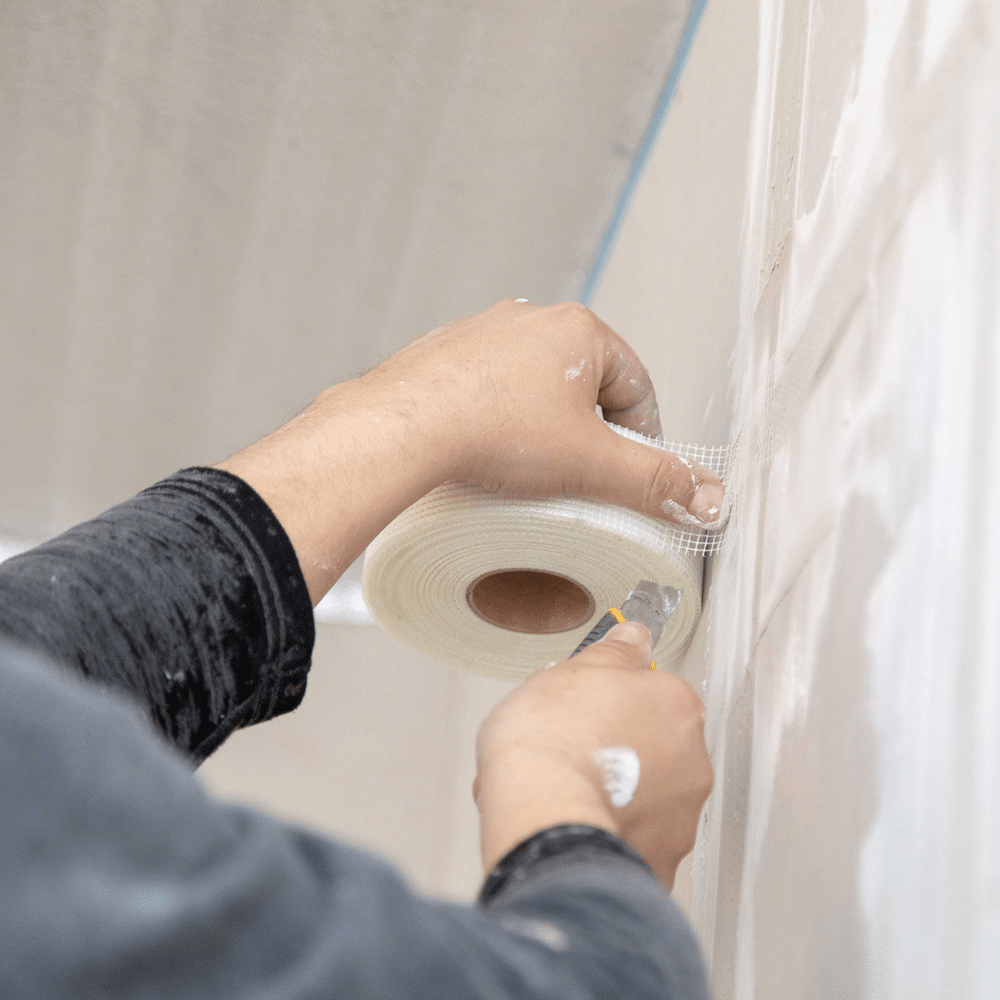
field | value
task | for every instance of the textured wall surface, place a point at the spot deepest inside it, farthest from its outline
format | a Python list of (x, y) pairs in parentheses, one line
[(850, 651)]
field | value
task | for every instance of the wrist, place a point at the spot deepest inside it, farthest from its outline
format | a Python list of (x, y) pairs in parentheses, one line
[(527, 793), (428, 411), (566, 839), (338, 473), (411, 421)]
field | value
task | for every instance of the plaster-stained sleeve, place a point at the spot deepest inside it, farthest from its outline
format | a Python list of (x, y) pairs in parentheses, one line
[(188, 596)]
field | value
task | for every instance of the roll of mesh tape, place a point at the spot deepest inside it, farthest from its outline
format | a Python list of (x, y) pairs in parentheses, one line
[(502, 587)]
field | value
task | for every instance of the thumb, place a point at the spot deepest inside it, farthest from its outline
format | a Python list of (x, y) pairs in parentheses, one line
[(628, 646), (650, 481)]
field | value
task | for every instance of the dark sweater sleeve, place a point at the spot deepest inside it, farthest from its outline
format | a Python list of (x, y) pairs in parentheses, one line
[(123, 878), (188, 597)]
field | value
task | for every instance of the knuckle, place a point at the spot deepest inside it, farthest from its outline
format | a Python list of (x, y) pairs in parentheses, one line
[(575, 312), (707, 777), (689, 838), (691, 700), (684, 704)]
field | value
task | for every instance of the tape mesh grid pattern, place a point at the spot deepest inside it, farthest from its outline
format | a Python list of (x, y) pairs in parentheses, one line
[(715, 458)]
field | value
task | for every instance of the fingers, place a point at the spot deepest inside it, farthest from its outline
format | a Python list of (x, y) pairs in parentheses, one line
[(649, 480), (626, 396), (629, 646), (672, 487)]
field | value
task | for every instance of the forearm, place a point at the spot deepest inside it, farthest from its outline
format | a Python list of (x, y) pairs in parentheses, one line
[(338, 473), (188, 597), (147, 886), (504, 400)]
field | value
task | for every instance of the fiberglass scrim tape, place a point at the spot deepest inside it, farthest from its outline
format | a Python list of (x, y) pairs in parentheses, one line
[(502, 586)]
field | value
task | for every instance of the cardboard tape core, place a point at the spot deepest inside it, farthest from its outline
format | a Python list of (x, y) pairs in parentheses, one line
[(530, 600)]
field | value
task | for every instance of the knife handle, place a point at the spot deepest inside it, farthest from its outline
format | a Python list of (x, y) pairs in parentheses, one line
[(601, 629)]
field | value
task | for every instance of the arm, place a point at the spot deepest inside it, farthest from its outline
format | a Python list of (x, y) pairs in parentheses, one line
[(188, 597), (182, 893), (506, 399), (192, 595), (121, 877)]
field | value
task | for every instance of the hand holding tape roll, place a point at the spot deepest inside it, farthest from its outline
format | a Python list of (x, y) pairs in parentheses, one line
[(502, 586), (504, 400)]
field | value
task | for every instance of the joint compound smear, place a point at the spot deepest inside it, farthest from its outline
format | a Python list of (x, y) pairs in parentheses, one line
[(620, 767)]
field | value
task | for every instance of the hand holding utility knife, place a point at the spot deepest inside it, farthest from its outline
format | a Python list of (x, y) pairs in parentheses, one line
[(649, 603)]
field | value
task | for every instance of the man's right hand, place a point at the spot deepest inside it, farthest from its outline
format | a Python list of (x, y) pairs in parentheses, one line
[(539, 753)]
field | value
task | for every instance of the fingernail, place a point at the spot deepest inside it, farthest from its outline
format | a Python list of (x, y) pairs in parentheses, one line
[(707, 502), (634, 633)]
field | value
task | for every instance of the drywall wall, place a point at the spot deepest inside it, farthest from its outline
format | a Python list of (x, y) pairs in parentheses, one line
[(850, 651)]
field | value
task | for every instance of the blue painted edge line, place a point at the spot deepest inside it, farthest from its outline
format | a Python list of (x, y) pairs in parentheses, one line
[(642, 155)]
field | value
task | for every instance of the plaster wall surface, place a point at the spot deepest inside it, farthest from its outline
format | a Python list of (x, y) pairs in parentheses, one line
[(849, 653)]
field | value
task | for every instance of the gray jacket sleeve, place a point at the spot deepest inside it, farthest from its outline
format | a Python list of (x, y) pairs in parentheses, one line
[(122, 877)]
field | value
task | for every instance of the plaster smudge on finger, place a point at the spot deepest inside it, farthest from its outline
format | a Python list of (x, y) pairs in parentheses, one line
[(620, 768), (681, 516)]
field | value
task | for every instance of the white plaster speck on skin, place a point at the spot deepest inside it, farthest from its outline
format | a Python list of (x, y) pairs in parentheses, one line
[(679, 514), (573, 371), (620, 767)]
